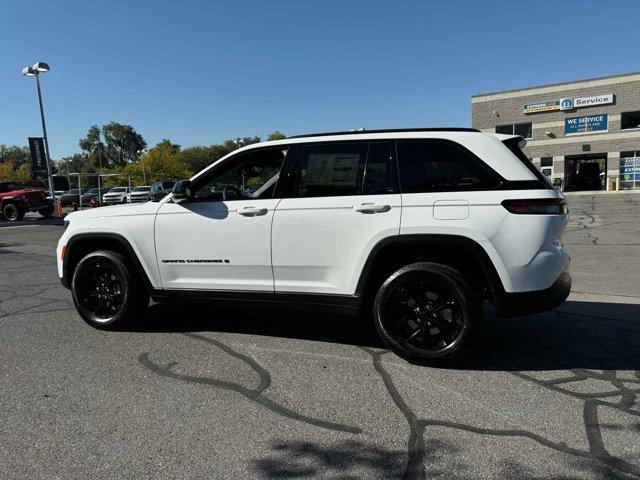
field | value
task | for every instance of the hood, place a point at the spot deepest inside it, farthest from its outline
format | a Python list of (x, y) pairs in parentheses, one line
[(115, 211)]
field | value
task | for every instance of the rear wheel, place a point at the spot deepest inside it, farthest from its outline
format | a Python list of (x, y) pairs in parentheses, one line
[(46, 211), (13, 212), (105, 292), (426, 312)]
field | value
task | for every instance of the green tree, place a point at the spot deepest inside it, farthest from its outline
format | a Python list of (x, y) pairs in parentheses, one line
[(277, 135), (15, 154), (93, 146), (161, 162), (122, 144)]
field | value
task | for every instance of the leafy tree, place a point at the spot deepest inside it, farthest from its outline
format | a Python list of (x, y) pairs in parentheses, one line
[(20, 173), (277, 135), (93, 146), (15, 154), (122, 144), (161, 162)]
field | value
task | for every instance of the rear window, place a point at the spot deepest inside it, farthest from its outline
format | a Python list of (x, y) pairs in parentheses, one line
[(434, 165), (513, 144)]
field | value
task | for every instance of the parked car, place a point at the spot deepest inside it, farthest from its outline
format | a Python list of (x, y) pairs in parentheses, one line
[(115, 195), (139, 194), (91, 194), (159, 190), (416, 228), (57, 193), (16, 200), (72, 196)]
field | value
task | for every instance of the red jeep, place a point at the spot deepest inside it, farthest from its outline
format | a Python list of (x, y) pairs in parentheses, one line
[(16, 200)]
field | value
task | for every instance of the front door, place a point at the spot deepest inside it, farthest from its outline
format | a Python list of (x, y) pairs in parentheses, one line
[(344, 200), (220, 238)]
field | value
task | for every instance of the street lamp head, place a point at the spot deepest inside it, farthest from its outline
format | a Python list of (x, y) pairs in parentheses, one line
[(28, 71), (41, 67)]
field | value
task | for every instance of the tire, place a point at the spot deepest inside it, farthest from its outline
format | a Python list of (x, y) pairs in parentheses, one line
[(47, 211), (12, 212), (106, 292), (427, 313)]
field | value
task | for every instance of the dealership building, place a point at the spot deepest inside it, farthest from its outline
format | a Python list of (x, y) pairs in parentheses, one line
[(584, 133)]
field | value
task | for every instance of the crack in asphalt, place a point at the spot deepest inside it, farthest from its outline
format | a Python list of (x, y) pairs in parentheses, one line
[(415, 466), (253, 394)]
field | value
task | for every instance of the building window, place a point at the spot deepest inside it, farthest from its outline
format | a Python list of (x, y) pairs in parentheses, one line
[(630, 120), (546, 162), (523, 129)]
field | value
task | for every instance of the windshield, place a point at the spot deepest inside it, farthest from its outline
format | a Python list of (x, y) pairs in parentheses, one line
[(118, 190), (9, 186), (73, 191), (92, 191)]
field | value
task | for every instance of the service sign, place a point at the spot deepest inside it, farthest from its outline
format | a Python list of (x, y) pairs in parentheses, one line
[(541, 107), (587, 124), (605, 99)]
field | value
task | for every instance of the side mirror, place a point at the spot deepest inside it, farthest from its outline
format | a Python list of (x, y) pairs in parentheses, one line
[(181, 191)]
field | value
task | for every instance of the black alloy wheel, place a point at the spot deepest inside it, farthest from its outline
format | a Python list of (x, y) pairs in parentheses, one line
[(104, 290), (426, 312)]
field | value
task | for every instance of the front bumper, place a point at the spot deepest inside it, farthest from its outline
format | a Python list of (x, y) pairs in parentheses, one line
[(113, 200), (527, 303)]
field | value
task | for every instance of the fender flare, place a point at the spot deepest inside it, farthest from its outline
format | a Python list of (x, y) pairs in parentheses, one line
[(469, 245), (114, 237)]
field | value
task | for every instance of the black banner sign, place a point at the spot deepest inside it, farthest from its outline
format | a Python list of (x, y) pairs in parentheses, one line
[(38, 160)]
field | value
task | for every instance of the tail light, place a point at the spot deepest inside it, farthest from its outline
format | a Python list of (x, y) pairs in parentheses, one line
[(539, 206)]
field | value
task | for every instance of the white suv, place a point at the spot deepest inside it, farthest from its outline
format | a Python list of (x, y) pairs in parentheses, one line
[(115, 195), (413, 228)]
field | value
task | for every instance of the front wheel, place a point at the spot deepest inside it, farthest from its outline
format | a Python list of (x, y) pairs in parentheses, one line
[(105, 292), (12, 212), (426, 312)]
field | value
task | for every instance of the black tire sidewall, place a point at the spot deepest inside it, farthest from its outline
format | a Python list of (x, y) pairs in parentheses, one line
[(47, 211), (128, 286), (12, 208), (450, 279)]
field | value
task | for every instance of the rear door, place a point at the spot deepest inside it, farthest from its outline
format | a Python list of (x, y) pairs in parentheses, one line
[(344, 199)]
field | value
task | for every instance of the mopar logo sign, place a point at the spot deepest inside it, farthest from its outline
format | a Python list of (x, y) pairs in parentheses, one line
[(588, 124), (566, 103)]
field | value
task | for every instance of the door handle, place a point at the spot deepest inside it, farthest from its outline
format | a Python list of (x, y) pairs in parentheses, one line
[(371, 208), (252, 211)]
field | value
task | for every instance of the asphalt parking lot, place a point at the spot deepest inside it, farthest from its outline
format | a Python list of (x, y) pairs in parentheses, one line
[(204, 392)]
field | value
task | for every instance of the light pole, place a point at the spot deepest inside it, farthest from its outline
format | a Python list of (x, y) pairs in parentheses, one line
[(35, 71)]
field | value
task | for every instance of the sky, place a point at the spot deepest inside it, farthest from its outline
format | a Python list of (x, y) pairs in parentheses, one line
[(199, 72)]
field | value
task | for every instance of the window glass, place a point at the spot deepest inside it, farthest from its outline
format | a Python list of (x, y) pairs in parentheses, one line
[(440, 165), (327, 170), (250, 175), (380, 170), (523, 129), (546, 162), (630, 120)]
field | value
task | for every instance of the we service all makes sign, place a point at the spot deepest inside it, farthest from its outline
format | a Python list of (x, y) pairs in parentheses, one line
[(586, 124)]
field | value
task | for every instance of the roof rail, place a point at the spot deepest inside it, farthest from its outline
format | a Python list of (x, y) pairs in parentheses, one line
[(390, 130)]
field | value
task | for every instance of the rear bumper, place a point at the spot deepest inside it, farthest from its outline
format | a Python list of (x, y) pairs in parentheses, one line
[(527, 303)]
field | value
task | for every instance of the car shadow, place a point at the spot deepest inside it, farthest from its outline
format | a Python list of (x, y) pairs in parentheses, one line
[(32, 221), (588, 335)]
